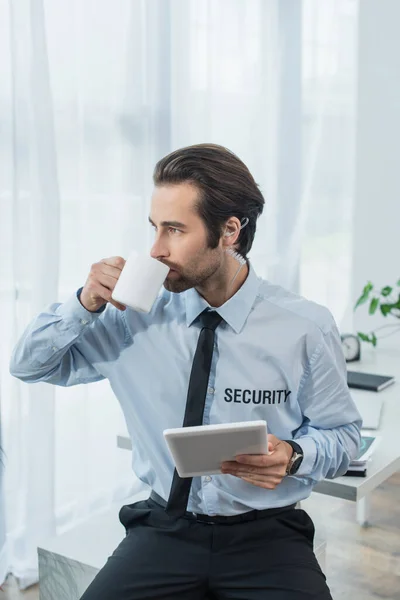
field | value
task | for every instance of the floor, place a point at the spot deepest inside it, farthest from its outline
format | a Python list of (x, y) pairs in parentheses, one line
[(10, 592), (362, 563)]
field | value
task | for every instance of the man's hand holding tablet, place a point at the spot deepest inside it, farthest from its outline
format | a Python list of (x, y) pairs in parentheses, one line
[(263, 470), (241, 449)]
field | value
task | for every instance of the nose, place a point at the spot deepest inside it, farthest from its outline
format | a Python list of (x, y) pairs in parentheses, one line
[(159, 249)]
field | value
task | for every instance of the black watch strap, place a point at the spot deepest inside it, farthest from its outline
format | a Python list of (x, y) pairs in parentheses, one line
[(297, 458), (295, 446)]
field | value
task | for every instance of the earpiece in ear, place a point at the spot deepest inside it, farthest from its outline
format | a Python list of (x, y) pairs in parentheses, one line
[(243, 223)]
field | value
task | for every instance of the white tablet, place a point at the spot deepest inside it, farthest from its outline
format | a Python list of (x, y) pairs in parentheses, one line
[(201, 450)]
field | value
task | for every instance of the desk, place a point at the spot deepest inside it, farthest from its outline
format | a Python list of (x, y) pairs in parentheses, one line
[(69, 562), (386, 458)]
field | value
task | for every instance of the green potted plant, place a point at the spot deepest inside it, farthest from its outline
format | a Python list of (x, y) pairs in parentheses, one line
[(387, 300)]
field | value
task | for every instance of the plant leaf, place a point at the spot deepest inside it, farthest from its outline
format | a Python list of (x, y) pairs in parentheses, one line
[(373, 306), (371, 339), (398, 283), (386, 290), (385, 309), (363, 336), (365, 294)]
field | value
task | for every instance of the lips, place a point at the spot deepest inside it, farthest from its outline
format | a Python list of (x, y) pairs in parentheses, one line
[(173, 272)]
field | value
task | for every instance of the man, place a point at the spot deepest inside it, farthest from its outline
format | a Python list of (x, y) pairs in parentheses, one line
[(271, 355)]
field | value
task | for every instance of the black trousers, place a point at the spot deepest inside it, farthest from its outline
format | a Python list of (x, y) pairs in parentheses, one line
[(164, 558)]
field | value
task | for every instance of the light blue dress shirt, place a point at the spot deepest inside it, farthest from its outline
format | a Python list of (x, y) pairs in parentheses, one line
[(277, 356)]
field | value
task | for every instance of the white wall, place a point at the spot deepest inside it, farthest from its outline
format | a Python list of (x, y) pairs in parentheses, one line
[(377, 193)]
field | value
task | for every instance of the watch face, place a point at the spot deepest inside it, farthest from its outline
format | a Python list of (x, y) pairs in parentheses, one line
[(351, 347)]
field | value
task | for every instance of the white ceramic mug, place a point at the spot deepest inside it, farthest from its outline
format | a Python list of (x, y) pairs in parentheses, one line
[(140, 282)]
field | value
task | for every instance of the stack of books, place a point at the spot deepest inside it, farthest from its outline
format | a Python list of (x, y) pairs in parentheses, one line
[(358, 466)]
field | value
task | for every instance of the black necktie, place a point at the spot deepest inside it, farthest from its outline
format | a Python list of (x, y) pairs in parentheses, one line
[(196, 398)]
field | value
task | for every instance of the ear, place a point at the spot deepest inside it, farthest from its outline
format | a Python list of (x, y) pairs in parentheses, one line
[(231, 232)]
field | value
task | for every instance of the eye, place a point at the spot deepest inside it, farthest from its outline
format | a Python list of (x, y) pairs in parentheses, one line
[(173, 230)]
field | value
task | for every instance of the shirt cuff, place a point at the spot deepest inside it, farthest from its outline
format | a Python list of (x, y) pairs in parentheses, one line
[(309, 447), (78, 295), (73, 311)]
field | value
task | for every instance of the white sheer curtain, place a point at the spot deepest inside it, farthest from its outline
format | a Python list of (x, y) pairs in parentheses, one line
[(3, 553), (92, 93), (329, 78)]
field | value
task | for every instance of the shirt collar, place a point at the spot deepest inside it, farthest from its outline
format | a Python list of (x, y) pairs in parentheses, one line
[(235, 311)]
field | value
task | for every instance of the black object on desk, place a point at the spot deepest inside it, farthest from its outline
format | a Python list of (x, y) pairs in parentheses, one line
[(353, 473), (368, 381)]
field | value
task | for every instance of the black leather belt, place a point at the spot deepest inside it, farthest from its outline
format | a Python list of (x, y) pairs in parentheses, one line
[(252, 515)]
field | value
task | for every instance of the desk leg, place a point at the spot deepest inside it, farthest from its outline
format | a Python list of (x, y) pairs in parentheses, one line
[(363, 509)]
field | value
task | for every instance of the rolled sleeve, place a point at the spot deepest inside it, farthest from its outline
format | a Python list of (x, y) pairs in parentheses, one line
[(330, 434)]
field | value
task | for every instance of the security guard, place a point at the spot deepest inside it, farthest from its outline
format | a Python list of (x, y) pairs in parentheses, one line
[(272, 355)]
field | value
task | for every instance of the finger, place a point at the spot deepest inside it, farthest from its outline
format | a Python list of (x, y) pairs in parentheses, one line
[(263, 484), (258, 460), (233, 466), (117, 305), (272, 480), (263, 460), (230, 464), (107, 281), (105, 293), (106, 269), (114, 261), (256, 471)]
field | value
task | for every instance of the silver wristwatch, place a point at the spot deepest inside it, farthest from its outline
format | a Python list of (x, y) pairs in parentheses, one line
[(296, 459)]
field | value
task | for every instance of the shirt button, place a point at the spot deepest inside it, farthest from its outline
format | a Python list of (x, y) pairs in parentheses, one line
[(54, 349), (210, 390), (84, 322), (207, 479)]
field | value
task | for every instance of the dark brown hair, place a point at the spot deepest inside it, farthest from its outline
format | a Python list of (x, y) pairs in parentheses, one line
[(226, 188)]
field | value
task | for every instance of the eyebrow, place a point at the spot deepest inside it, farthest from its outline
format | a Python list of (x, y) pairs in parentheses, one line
[(170, 224)]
